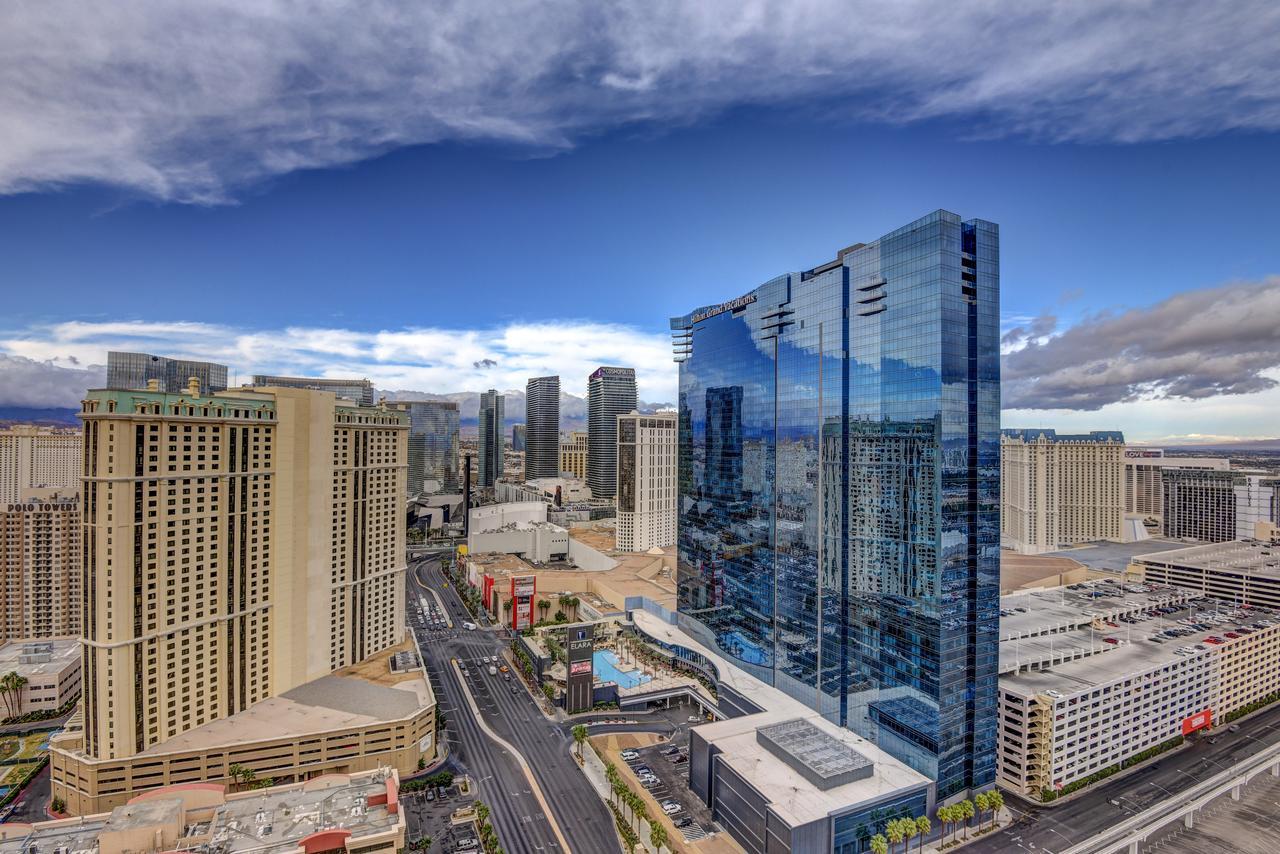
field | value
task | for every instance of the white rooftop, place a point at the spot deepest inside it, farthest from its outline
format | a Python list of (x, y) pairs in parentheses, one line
[(791, 795)]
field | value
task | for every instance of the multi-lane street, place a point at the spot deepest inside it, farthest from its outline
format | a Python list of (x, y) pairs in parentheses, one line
[(510, 712), (1051, 829)]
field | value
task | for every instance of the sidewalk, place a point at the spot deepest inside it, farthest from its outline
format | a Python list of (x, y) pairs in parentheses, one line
[(593, 767), (934, 844)]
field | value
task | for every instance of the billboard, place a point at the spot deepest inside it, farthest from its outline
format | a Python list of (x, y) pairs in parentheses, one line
[(580, 647), (1143, 454), (523, 590), (1200, 720)]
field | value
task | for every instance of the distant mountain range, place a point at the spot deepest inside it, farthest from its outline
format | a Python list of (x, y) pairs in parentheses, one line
[(28, 415)]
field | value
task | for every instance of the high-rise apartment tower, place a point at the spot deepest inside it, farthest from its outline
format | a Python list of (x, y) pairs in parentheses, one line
[(492, 443), (433, 445), (37, 457), (1058, 489), (646, 481), (237, 545), (542, 428), (864, 582), (610, 392)]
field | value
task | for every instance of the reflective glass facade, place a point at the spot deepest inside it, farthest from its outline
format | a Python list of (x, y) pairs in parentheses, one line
[(433, 444), (839, 490), (133, 370)]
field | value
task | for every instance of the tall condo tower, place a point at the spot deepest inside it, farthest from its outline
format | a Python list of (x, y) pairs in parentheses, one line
[(610, 392), (542, 427), (491, 438), (839, 492)]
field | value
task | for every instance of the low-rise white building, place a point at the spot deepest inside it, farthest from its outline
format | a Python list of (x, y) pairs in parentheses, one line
[(51, 667)]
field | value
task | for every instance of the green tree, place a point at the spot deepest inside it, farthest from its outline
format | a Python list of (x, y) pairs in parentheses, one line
[(11, 685), (980, 805), (544, 605), (895, 831), (966, 813), (579, 736), (995, 802), (946, 815), (879, 845), (59, 805), (923, 827), (658, 836)]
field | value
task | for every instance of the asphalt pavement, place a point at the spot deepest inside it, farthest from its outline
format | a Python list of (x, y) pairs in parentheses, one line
[(512, 714), (1050, 829)]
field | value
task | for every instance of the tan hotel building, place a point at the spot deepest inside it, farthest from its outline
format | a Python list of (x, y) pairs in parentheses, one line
[(1057, 490), (239, 549), (40, 565), (573, 454), (38, 457)]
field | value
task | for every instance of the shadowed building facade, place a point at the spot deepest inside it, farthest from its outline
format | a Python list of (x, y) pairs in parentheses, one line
[(839, 490)]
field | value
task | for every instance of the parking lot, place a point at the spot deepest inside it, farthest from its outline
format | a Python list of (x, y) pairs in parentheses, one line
[(427, 814), (667, 783)]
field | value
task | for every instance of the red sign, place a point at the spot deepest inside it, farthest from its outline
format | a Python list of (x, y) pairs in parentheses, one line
[(1200, 720), (580, 667)]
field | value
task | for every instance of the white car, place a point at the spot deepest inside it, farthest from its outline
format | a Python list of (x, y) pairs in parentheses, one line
[(628, 755), (671, 808), (471, 627)]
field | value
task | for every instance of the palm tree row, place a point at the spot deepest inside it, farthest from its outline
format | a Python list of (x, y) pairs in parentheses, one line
[(637, 811), (903, 830)]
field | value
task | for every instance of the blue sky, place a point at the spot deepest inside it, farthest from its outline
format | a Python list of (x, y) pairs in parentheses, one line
[(559, 229)]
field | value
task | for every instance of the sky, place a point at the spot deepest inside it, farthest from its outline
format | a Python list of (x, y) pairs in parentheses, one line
[(459, 197)]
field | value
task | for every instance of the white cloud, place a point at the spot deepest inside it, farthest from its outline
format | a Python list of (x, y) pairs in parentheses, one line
[(190, 101), (44, 363)]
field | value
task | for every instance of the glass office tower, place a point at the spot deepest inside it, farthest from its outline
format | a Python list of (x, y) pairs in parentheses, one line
[(133, 370), (433, 445), (839, 490), (492, 442)]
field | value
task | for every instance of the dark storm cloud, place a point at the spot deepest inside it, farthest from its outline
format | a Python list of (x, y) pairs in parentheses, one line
[(1195, 345)]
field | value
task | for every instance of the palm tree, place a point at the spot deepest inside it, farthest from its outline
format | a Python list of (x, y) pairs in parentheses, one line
[(895, 831), (946, 815), (658, 836), (506, 609), (995, 802), (579, 736), (923, 826), (966, 813), (11, 685), (544, 606), (980, 801), (573, 603), (879, 845)]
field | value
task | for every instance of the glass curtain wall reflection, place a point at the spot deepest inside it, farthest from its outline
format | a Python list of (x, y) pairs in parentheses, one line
[(839, 489)]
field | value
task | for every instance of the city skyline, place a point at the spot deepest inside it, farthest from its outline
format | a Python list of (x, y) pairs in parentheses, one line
[(1113, 318)]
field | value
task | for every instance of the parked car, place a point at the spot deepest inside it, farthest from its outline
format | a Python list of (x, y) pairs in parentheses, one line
[(671, 807), (628, 755)]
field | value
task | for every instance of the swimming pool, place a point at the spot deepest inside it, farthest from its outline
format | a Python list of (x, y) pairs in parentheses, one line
[(605, 663)]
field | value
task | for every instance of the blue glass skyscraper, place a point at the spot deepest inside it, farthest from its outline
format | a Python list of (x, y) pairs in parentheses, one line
[(839, 489)]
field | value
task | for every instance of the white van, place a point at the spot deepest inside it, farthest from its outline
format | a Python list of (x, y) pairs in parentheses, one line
[(471, 627)]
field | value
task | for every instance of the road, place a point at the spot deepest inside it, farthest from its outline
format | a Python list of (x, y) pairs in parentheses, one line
[(513, 715), (1052, 829)]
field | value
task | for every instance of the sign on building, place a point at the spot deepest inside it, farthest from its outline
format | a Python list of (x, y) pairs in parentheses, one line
[(523, 590), (581, 679)]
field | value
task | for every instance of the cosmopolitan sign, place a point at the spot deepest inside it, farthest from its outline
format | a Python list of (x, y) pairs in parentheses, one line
[(731, 305)]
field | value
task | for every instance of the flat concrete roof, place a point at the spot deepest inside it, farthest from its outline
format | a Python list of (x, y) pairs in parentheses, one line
[(1255, 557), (1134, 651), (63, 653), (363, 694), (1115, 557), (791, 795), (276, 818)]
